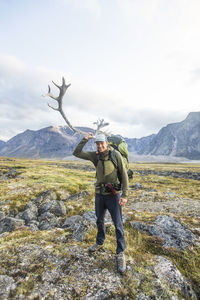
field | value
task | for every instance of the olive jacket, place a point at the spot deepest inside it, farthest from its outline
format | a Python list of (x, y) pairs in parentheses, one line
[(106, 172)]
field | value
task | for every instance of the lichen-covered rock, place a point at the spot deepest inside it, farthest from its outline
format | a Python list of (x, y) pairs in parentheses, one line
[(34, 225), (71, 221), (46, 196), (77, 196), (55, 207), (98, 281), (48, 221), (2, 215), (142, 296), (9, 224), (90, 217), (138, 186), (7, 285), (151, 190), (173, 233), (72, 275), (77, 225), (30, 213), (11, 173), (171, 278)]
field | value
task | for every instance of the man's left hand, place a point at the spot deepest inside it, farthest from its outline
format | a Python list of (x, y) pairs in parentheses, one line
[(122, 201)]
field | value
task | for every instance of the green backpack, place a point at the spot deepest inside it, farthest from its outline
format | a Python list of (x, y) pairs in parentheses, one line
[(119, 144)]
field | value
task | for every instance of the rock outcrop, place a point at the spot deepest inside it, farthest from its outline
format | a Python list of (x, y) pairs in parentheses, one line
[(170, 277), (9, 224), (173, 233)]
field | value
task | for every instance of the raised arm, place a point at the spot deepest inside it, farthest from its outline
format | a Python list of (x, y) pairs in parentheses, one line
[(78, 152)]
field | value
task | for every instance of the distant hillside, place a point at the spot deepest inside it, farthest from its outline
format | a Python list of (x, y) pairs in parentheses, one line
[(49, 142), (180, 139), (139, 145), (2, 143)]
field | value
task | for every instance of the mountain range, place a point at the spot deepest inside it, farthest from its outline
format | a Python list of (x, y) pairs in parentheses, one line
[(181, 139)]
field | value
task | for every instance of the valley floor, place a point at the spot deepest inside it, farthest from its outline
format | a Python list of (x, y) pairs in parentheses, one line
[(47, 222)]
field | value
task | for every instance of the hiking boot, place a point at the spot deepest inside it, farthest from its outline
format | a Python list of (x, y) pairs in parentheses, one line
[(94, 248), (121, 263)]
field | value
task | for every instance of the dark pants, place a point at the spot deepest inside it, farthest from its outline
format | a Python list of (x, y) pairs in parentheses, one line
[(110, 202)]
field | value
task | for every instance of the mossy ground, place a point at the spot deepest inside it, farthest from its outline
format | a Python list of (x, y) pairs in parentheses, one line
[(36, 176)]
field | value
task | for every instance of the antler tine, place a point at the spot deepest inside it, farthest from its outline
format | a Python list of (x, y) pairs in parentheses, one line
[(100, 124), (50, 94), (58, 86), (52, 107)]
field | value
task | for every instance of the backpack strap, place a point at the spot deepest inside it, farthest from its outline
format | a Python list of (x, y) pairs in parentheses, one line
[(97, 159), (113, 158)]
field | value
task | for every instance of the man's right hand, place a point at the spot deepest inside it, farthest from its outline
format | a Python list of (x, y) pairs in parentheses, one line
[(89, 136)]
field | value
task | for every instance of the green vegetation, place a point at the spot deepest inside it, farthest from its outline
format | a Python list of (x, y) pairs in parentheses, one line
[(36, 176)]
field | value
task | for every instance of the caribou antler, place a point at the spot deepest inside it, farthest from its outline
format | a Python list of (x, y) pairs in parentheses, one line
[(59, 99), (100, 124)]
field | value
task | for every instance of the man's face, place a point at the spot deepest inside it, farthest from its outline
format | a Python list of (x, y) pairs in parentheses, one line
[(102, 146)]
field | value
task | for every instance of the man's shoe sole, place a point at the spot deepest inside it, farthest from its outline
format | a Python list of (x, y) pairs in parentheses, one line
[(94, 250)]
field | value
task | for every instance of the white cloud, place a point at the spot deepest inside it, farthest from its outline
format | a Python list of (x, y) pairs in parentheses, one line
[(23, 107), (134, 63)]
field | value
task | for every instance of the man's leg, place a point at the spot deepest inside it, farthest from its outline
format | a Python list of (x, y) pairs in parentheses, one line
[(100, 211), (116, 213), (112, 203)]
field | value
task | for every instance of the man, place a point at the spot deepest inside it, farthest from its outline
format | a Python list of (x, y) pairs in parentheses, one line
[(107, 191)]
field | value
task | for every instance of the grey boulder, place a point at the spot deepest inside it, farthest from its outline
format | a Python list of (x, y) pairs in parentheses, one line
[(9, 224), (171, 231), (55, 207)]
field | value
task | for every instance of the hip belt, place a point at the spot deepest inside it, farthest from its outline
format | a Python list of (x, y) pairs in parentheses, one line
[(110, 187)]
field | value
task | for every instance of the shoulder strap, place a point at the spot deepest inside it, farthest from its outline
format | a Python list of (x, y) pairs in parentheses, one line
[(113, 157), (97, 159)]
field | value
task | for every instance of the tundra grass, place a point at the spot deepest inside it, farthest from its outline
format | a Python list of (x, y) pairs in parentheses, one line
[(182, 187), (36, 176)]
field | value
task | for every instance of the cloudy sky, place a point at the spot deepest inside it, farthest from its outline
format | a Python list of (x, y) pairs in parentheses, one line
[(135, 63)]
